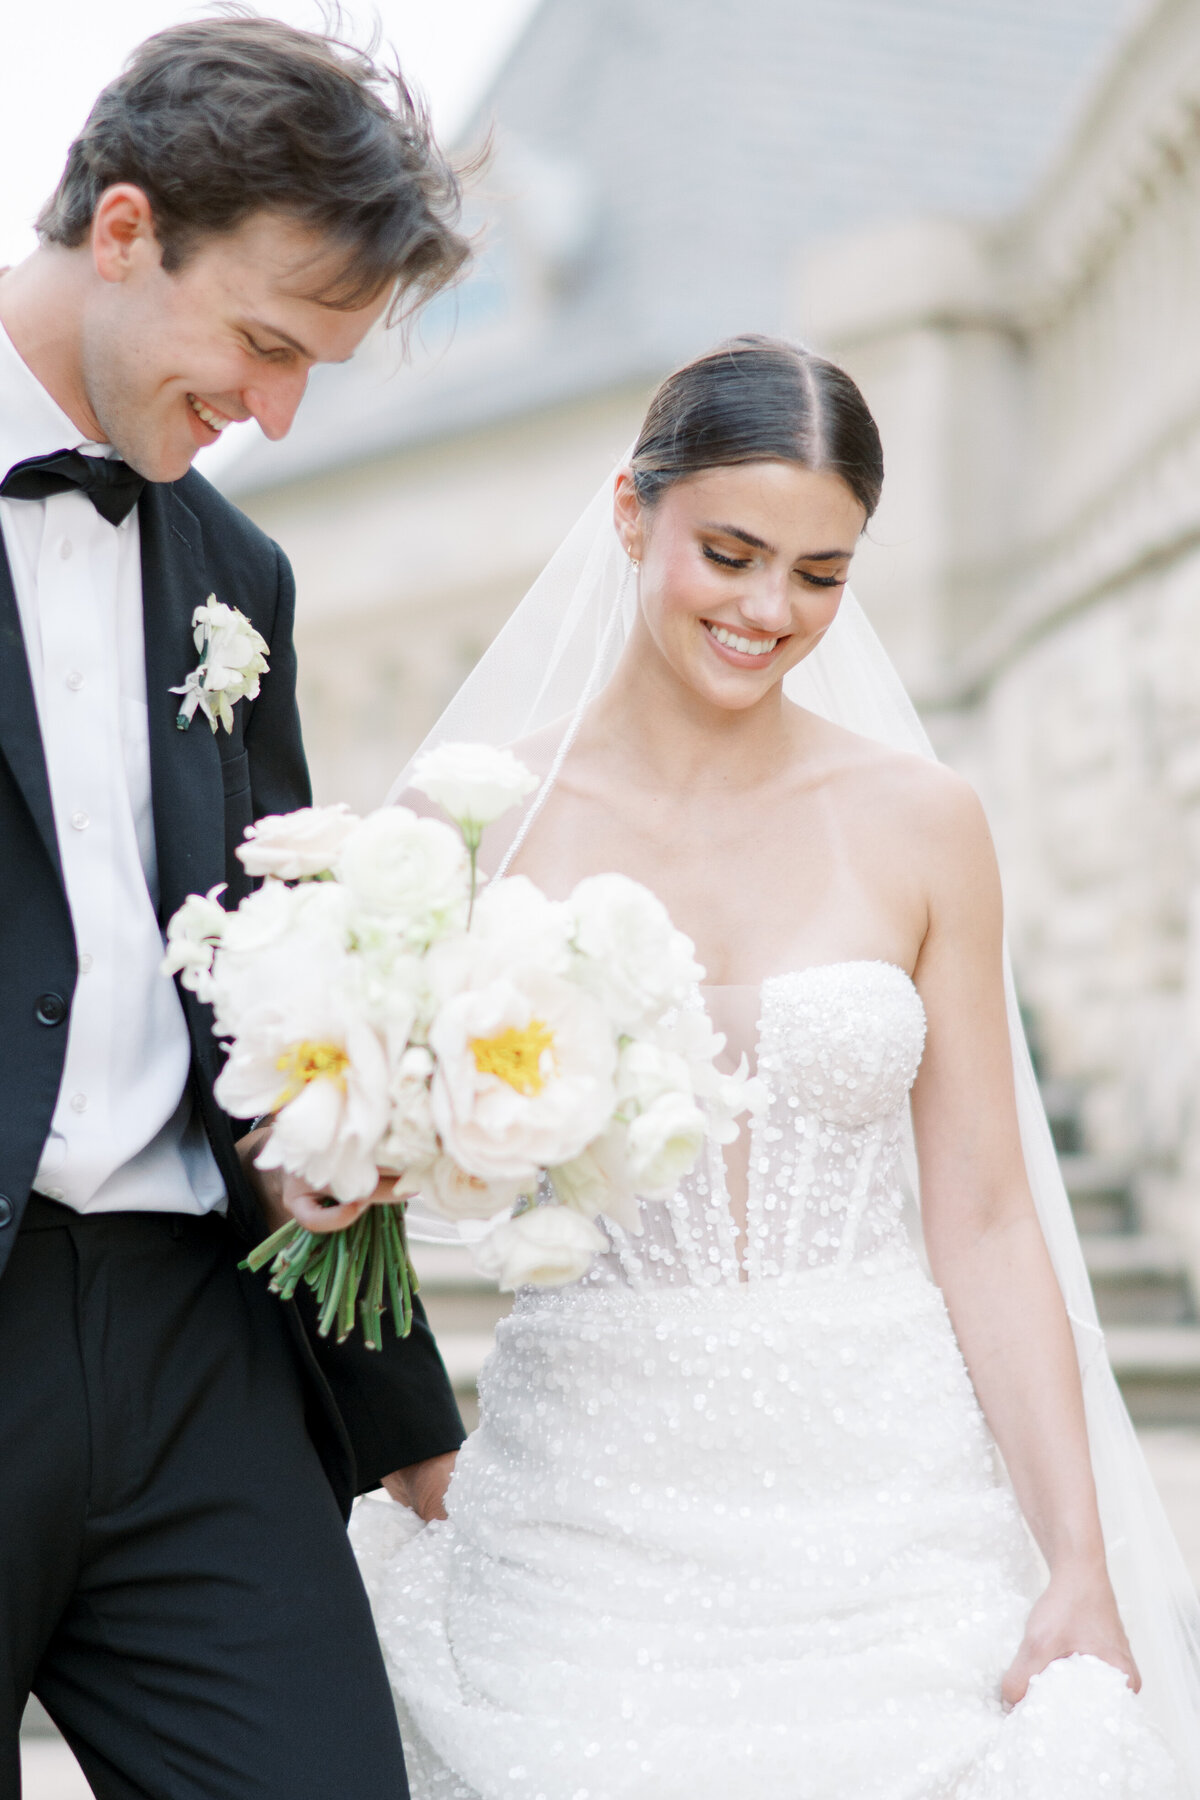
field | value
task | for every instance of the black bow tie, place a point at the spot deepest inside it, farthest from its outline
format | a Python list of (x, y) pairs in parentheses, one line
[(113, 488)]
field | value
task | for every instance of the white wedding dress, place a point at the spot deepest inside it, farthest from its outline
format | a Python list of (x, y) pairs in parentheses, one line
[(732, 1523)]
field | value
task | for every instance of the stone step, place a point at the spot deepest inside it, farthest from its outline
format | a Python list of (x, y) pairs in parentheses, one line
[(1138, 1279), (1158, 1367), (1100, 1193)]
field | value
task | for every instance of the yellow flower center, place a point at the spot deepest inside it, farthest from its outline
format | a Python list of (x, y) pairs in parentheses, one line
[(305, 1062), (515, 1055)]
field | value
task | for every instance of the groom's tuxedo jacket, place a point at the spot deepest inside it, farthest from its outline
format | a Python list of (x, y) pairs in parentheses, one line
[(370, 1412)]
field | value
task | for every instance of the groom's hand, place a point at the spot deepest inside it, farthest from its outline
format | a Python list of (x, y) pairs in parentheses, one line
[(422, 1486)]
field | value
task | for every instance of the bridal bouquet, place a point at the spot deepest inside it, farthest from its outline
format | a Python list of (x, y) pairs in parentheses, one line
[(507, 1058)]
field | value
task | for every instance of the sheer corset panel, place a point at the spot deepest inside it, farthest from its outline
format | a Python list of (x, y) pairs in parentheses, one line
[(816, 1179)]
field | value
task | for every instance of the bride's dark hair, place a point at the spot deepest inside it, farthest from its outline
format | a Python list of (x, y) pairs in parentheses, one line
[(758, 399)]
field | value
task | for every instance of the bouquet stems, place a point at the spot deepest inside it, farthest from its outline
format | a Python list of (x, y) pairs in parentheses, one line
[(335, 1264)]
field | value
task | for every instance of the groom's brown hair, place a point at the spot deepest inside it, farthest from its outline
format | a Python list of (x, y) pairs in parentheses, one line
[(230, 116)]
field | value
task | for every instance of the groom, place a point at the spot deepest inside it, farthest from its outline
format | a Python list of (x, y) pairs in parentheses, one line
[(177, 1448)]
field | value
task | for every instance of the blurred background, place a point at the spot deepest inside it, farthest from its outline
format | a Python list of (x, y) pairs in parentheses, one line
[(989, 211)]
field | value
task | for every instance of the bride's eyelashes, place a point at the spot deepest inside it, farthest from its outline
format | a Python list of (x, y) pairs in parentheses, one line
[(743, 562)]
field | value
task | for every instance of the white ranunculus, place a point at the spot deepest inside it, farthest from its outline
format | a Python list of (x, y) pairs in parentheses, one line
[(298, 844), (524, 1076), (413, 873), (664, 1144), (458, 1195), (630, 955), (193, 934), (598, 1181), (547, 1246), (474, 783), (283, 961)]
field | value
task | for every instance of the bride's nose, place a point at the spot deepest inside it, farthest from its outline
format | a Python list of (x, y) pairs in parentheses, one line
[(767, 602)]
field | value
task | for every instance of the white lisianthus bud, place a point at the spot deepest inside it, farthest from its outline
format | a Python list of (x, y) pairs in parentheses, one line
[(664, 1144), (193, 933), (297, 845), (411, 872), (473, 783), (547, 1246)]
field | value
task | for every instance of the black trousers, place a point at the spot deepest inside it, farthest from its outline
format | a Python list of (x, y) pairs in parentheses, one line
[(176, 1584)]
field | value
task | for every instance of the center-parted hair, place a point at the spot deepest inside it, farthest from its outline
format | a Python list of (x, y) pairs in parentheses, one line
[(758, 399), (230, 116)]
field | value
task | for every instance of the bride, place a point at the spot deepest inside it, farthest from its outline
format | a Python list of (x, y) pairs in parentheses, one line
[(756, 1506)]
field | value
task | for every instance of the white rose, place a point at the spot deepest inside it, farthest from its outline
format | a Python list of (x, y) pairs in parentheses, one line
[(412, 872), (193, 934), (282, 959), (474, 783), (298, 844), (458, 1195), (598, 1181), (524, 1076), (547, 1246), (630, 955), (664, 1144), (647, 1070)]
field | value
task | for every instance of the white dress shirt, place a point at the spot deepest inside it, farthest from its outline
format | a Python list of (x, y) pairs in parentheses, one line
[(124, 1134)]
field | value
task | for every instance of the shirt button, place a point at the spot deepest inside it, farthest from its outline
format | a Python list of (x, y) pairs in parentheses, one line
[(65, 549), (74, 680), (80, 821), (78, 1102), (85, 963)]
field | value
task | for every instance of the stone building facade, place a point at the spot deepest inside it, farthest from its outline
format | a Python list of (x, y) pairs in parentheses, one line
[(1036, 569)]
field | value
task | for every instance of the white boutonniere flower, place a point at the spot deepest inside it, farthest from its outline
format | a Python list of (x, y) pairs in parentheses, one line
[(232, 657)]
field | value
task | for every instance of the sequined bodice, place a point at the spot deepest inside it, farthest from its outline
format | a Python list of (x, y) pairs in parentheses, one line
[(838, 1048)]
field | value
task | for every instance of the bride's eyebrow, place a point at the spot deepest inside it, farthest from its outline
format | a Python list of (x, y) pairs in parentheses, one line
[(757, 543)]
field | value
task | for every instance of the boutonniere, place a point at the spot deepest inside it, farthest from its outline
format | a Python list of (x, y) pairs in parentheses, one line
[(232, 657)]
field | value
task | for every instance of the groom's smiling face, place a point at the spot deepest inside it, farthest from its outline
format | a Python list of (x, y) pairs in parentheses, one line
[(169, 359)]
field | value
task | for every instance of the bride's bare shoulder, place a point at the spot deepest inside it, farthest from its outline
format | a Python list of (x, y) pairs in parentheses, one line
[(915, 794)]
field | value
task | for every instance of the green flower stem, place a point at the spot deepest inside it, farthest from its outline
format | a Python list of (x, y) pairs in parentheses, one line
[(336, 1265)]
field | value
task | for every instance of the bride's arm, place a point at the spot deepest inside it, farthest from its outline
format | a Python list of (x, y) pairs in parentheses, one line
[(986, 1248)]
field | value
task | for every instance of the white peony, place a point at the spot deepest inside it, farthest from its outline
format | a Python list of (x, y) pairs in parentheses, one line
[(193, 934), (473, 783), (547, 1246), (513, 927), (598, 1180), (524, 1076), (664, 1144), (298, 844), (329, 1130), (412, 873), (283, 959), (630, 955)]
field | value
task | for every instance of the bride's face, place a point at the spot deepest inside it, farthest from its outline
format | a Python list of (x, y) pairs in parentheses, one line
[(742, 571)]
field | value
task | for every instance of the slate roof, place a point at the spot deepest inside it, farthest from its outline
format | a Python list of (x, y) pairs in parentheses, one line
[(667, 158)]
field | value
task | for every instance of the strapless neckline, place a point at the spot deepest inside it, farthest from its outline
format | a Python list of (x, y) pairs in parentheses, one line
[(821, 968)]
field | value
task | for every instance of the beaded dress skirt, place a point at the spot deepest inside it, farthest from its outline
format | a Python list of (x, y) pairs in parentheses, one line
[(732, 1522)]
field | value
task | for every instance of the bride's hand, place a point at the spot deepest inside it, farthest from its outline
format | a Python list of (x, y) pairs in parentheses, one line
[(1077, 1614)]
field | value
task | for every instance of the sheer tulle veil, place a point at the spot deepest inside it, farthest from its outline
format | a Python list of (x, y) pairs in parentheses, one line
[(556, 652)]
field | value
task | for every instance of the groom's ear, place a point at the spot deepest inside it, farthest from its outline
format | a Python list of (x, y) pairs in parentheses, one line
[(122, 235)]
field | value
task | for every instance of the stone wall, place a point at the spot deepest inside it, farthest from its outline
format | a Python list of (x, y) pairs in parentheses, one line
[(1036, 571)]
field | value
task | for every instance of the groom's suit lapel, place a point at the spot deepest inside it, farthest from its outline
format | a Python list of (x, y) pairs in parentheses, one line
[(20, 733), (185, 766)]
